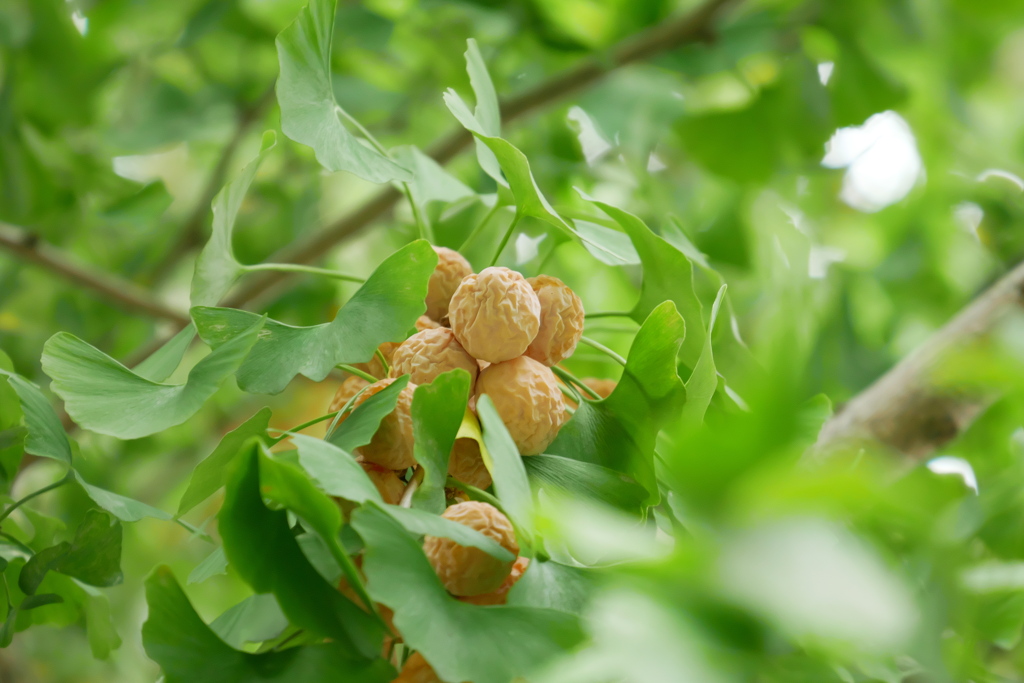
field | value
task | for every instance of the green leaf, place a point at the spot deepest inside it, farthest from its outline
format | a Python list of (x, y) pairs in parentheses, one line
[(310, 114), (46, 437), (554, 586), (210, 474), (99, 625), (93, 557), (506, 467), (360, 426), (668, 276), (214, 564), (29, 602), (383, 309), (104, 396), (456, 638), (431, 182), (188, 651), (487, 111), (216, 266), (124, 508), (619, 432), (165, 360), (335, 470), (260, 546), (585, 480), (703, 381), (253, 620), (437, 411)]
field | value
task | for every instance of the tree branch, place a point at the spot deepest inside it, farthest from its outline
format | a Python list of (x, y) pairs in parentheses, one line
[(29, 247), (689, 28), (906, 409)]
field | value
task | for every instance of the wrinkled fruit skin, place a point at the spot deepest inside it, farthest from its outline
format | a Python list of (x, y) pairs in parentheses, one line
[(373, 366), (391, 446), (527, 397), (387, 482), (451, 268), (471, 571), (417, 670), (427, 354), (467, 465), (425, 323), (561, 321), (495, 315), (349, 388), (500, 596)]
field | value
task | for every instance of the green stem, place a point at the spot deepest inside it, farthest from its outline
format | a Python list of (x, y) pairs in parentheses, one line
[(298, 268), (344, 409), (426, 232), (572, 394), (357, 372), (7, 513), (383, 361), (15, 541), (607, 314), (480, 226), (569, 377), (298, 428), (604, 349), (505, 239), (474, 492)]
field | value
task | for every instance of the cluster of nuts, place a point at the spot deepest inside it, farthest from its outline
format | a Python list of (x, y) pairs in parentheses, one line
[(507, 332)]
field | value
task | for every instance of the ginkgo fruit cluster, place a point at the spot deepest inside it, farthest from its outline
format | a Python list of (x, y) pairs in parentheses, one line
[(506, 332)]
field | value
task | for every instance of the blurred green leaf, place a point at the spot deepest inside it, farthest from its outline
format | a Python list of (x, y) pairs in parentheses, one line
[(703, 381), (309, 113), (45, 437), (506, 467), (362, 423), (93, 557), (104, 396), (585, 480), (552, 585), (124, 508), (255, 619), (216, 563), (383, 309)]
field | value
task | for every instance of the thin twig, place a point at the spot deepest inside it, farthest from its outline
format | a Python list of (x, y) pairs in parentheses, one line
[(29, 247), (693, 27), (909, 408)]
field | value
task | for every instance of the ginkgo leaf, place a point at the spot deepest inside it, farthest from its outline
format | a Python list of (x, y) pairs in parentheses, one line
[(104, 396), (216, 267), (309, 112), (46, 437), (383, 309)]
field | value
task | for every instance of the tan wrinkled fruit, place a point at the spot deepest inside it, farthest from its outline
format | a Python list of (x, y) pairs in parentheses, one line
[(561, 321), (425, 323), (495, 315), (500, 595), (349, 388), (467, 465), (427, 354), (466, 570), (528, 400), (387, 482), (374, 366), (391, 446), (601, 387), (417, 670), (451, 268)]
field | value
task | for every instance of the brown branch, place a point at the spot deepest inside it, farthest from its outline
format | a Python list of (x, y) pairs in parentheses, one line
[(689, 28), (127, 294), (191, 233), (907, 409)]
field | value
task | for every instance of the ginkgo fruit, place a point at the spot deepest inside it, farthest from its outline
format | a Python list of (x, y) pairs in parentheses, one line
[(499, 596), (451, 268), (495, 314), (349, 388), (561, 321), (392, 443), (467, 464), (429, 353), (466, 570), (526, 395)]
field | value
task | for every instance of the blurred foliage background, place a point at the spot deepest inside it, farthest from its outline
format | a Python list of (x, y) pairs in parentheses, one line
[(851, 170)]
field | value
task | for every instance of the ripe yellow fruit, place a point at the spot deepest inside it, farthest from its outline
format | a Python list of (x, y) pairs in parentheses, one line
[(451, 268), (467, 465), (495, 315), (500, 595), (526, 396), (425, 323), (417, 670), (466, 570), (427, 354), (349, 388), (387, 482), (391, 446), (561, 321)]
